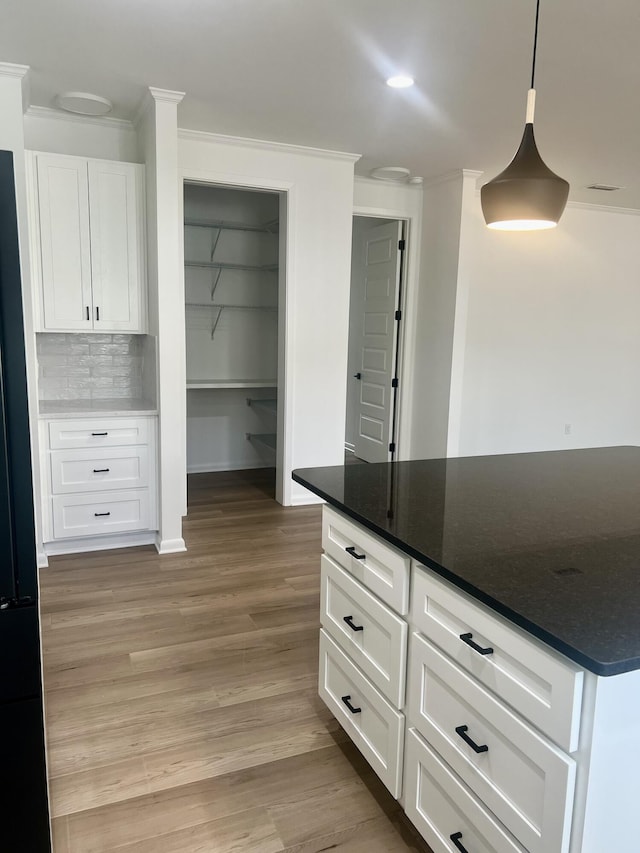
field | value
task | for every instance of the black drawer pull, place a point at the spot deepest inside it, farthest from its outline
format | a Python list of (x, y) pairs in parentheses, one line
[(98, 514), (97, 313), (462, 731), (457, 843), (88, 315), (99, 433), (349, 621), (101, 470), (466, 638), (346, 701), (351, 550)]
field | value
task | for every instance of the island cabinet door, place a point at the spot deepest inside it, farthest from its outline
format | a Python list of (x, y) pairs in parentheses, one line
[(445, 812), (63, 208), (526, 781)]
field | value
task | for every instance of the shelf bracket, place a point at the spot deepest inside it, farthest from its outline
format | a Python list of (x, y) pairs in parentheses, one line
[(214, 282), (216, 321), (214, 244)]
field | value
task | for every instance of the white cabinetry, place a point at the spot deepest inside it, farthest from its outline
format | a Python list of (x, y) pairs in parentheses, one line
[(100, 477), (88, 247)]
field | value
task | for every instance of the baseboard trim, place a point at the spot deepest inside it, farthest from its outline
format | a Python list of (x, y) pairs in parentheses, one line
[(306, 500), (351, 448), (227, 466), (41, 560), (169, 546), (98, 543)]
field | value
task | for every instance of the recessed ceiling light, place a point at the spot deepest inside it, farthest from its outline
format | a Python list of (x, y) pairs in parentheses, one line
[(400, 81), (84, 103)]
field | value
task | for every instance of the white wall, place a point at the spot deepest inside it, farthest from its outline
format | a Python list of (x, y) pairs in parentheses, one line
[(552, 334), (314, 306), (62, 133)]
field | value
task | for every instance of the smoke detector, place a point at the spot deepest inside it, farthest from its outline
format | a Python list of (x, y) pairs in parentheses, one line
[(84, 103)]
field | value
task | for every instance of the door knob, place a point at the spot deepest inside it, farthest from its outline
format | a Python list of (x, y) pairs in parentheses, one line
[(357, 376)]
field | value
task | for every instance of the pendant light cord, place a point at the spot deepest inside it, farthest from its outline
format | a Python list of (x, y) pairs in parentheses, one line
[(535, 46)]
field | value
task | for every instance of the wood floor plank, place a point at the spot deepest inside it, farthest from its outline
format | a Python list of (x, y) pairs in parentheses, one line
[(181, 693)]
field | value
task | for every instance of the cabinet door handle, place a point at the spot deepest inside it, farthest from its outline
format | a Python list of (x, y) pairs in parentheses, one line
[(457, 843), (97, 313), (88, 313), (349, 621), (351, 550), (357, 376), (462, 731), (101, 470), (99, 514), (347, 702), (466, 638), (99, 433)]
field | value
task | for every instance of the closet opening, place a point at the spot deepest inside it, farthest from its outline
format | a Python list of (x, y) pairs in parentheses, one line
[(234, 286), (378, 269)]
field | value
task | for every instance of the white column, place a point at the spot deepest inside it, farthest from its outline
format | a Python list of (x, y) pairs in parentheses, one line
[(13, 100), (159, 130)]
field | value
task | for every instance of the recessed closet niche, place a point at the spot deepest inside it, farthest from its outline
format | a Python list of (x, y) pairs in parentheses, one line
[(231, 250)]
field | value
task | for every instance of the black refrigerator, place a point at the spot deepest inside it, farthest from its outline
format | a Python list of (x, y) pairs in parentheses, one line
[(24, 812)]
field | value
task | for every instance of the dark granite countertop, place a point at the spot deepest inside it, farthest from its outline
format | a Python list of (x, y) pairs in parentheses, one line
[(550, 540)]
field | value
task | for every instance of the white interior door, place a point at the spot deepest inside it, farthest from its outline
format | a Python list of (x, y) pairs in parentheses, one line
[(376, 302)]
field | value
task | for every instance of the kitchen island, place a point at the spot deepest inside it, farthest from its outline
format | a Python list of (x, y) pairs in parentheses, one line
[(491, 621)]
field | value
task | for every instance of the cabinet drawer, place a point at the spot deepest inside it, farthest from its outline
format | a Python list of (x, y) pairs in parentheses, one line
[(379, 566), (524, 780), (99, 514), (443, 809), (373, 636), (540, 685), (107, 432), (95, 470), (374, 726)]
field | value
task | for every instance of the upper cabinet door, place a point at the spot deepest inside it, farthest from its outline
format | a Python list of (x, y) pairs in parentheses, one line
[(63, 200), (115, 196)]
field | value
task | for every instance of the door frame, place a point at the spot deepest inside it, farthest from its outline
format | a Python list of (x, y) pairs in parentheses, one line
[(287, 192), (403, 409)]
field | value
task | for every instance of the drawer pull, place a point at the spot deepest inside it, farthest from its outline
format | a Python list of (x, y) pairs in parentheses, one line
[(101, 470), (99, 433), (346, 701), (98, 514), (349, 621), (462, 731), (457, 843), (351, 550), (466, 638)]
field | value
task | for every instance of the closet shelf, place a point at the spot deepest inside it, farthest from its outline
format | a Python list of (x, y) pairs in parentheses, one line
[(220, 305), (226, 225), (266, 440), (222, 266), (270, 407), (195, 384)]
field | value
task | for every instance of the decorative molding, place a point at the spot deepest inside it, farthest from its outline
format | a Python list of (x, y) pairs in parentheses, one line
[(10, 69), (98, 543), (169, 546), (168, 95), (376, 182), (586, 205), (265, 145), (51, 114), (454, 174)]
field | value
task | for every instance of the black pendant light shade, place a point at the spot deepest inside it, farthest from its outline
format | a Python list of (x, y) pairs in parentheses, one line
[(527, 195)]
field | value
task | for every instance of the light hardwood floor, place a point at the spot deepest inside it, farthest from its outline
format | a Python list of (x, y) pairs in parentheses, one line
[(182, 714)]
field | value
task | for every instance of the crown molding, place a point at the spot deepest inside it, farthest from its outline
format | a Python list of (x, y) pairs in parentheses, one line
[(376, 182), (51, 114), (609, 208), (154, 95), (265, 145), (10, 69), (168, 95)]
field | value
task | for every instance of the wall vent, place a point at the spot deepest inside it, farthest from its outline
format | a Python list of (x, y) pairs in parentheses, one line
[(604, 188)]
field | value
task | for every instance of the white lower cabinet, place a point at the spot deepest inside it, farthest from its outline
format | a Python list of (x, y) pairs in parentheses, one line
[(498, 734), (100, 477)]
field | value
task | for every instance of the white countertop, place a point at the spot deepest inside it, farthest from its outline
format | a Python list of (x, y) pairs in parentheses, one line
[(88, 408)]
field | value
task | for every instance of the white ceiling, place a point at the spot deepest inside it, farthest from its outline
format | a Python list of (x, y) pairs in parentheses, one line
[(312, 72)]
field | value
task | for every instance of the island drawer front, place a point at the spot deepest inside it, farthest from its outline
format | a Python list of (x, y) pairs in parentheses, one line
[(379, 566), (98, 432), (440, 806), (99, 514), (375, 727), (87, 470), (374, 637), (525, 780), (540, 685)]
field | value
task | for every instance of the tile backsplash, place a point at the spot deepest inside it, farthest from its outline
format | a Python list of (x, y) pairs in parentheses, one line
[(76, 366)]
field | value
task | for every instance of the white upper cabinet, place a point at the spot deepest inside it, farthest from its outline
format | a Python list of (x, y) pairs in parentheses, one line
[(89, 244)]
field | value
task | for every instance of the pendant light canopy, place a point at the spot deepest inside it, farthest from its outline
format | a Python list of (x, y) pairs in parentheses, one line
[(527, 196)]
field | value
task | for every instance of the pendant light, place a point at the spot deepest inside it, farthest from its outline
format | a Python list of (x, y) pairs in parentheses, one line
[(527, 196)]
